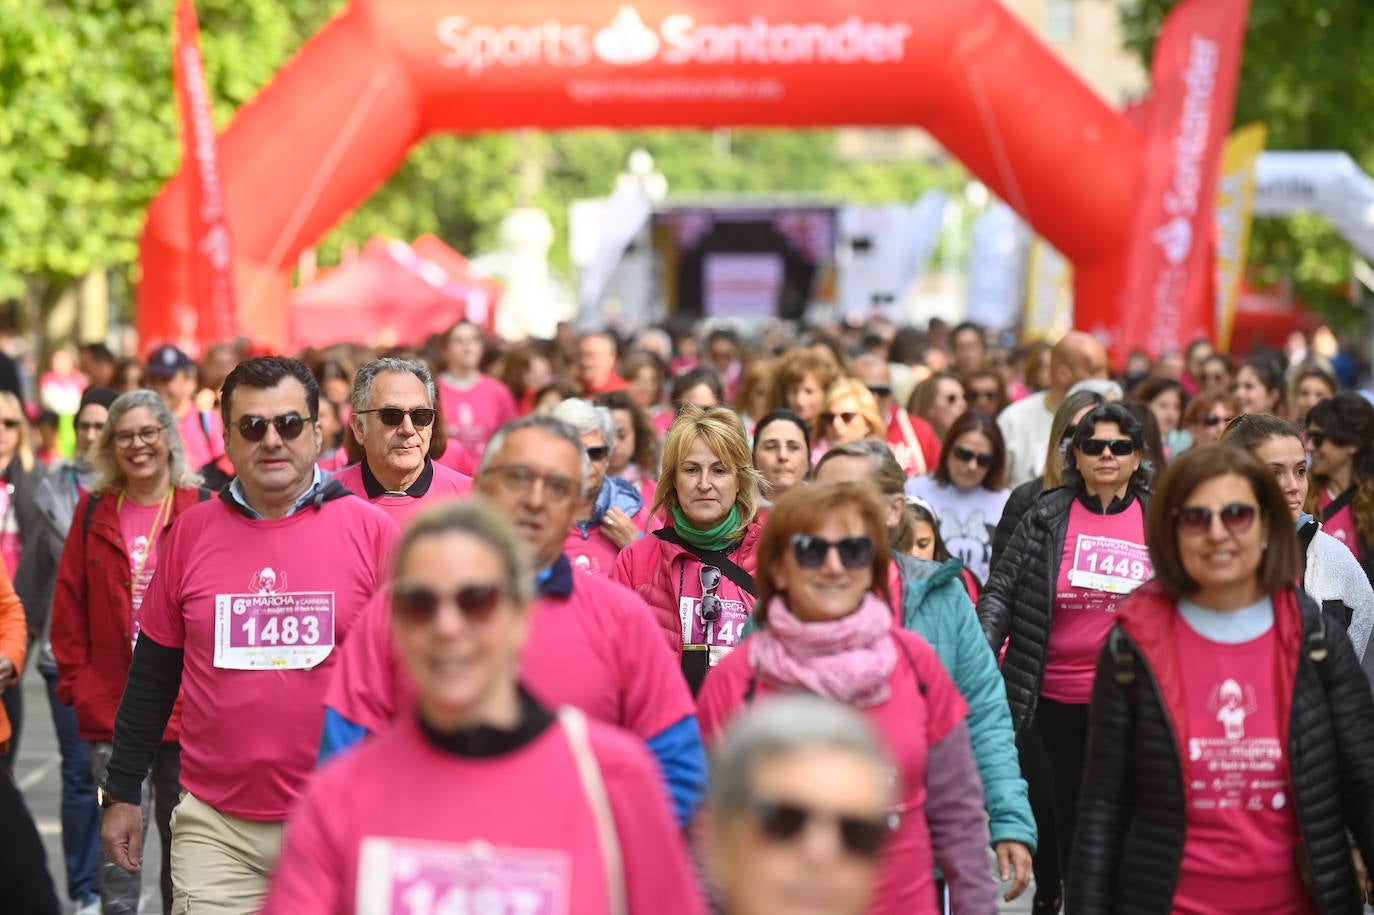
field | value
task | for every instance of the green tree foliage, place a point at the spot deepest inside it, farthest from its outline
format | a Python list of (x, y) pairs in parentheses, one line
[(1303, 77)]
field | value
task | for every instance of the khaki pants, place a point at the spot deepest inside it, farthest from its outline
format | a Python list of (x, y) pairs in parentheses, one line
[(220, 863)]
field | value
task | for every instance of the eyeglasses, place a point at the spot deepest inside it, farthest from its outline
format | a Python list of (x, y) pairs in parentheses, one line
[(965, 455), (880, 390), (1095, 446), (289, 426), (147, 435), (1236, 517), (710, 603), (1213, 420), (810, 551), (420, 417), (519, 480), (845, 418), (598, 453), (782, 822), (418, 604)]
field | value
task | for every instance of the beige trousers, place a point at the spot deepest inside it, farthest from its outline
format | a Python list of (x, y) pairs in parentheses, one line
[(220, 863)]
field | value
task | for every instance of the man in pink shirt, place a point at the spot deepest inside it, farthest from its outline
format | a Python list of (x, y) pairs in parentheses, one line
[(475, 405), (253, 592), (393, 418), (172, 374), (593, 643)]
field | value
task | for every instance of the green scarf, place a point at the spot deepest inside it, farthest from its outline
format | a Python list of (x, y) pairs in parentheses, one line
[(717, 538)]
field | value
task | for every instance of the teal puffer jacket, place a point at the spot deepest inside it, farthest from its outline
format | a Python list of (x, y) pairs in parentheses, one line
[(936, 607)]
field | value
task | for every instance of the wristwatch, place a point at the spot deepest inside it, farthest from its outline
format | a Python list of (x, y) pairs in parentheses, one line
[(104, 797)]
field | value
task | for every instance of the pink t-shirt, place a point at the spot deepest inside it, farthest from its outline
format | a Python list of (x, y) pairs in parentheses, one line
[(908, 722), (259, 607), (201, 447), (596, 553), (1240, 853), (502, 834), (597, 649), (439, 485), (1341, 525), (1104, 560), (472, 415), (140, 526), (10, 544)]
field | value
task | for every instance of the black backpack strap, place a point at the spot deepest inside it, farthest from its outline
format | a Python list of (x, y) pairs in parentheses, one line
[(727, 566), (86, 517), (204, 494), (1338, 503)]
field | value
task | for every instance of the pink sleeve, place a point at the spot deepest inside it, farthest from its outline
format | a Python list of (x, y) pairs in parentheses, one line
[(160, 615), (309, 875), (722, 695), (655, 694), (363, 687), (659, 876), (945, 706)]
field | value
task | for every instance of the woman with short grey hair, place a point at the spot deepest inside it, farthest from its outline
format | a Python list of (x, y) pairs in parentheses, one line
[(142, 486), (613, 515)]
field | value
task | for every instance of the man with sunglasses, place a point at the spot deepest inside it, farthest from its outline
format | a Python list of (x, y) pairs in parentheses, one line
[(253, 592), (912, 439), (393, 418), (593, 644)]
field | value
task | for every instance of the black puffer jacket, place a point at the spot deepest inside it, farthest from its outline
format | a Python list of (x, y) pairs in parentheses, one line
[(1132, 821), (1018, 600)]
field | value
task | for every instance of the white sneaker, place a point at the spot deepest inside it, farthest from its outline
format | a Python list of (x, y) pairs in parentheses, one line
[(89, 908)]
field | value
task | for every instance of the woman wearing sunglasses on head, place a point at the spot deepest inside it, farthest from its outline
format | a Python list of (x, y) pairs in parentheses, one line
[(825, 626), (143, 486), (1340, 436), (504, 805), (1231, 756), (1075, 555), (1330, 574), (697, 571), (798, 810), (968, 490)]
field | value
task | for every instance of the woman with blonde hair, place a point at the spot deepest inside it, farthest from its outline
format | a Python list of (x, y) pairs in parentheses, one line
[(849, 414), (697, 571)]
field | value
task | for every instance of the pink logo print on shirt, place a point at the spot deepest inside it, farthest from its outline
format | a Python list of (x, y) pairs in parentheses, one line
[(1232, 706), (271, 628)]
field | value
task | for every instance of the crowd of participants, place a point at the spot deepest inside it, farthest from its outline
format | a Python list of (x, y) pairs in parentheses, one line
[(456, 628)]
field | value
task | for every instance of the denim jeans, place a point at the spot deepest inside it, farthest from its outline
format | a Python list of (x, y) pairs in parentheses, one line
[(80, 812), (119, 889)]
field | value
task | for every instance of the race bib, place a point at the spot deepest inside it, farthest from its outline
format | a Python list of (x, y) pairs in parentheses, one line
[(291, 631), (721, 635), (1109, 564), (408, 877)]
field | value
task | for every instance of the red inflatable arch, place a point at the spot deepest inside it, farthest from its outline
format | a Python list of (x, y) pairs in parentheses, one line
[(385, 74)]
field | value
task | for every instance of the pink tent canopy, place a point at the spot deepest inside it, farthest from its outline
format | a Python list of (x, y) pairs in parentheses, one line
[(386, 296)]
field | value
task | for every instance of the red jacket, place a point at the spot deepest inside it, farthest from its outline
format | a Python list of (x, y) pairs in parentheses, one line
[(91, 615), (662, 573)]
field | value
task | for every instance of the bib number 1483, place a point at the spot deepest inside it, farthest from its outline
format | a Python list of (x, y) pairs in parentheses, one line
[(285, 630)]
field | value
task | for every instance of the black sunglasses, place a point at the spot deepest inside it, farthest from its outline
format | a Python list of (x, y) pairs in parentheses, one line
[(1212, 419), (598, 453), (420, 417), (1236, 517), (810, 551), (10, 423), (418, 604), (1095, 446), (965, 455), (846, 418), (782, 822), (289, 426), (880, 390), (1317, 439), (710, 603)]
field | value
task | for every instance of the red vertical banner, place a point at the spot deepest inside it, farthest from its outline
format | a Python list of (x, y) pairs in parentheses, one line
[(1166, 300), (211, 251)]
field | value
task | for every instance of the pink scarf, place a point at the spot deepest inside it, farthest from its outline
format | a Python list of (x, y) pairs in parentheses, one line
[(848, 659)]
